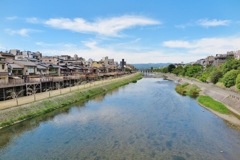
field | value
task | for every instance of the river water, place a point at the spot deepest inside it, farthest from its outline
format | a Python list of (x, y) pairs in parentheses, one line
[(143, 120)]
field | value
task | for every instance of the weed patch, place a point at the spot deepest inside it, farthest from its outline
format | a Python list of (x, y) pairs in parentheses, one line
[(212, 104)]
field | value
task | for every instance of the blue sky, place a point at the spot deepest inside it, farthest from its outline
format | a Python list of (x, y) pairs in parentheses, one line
[(141, 31)]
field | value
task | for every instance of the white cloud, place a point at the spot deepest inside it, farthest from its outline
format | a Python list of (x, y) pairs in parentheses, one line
[(152, 56), (206, 46), (96, 52), (177, 44), (183, 26), (12, 18), (42, 44), (33, 20), (213, 23), (23, 32), (174, 51), (90, 44), (205, 23), (108, 27)]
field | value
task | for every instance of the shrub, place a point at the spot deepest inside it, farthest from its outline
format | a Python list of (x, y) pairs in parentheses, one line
[(204, 77), (187, 89), (193, 93), (184, 85), (229, 79), (238, 82), (180, 90), (215, 76)]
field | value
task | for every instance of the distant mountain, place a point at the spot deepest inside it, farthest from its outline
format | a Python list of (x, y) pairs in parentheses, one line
[(149, 65)]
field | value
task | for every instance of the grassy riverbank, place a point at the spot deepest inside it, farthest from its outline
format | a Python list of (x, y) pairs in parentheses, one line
[(212, 104), (17, 114)]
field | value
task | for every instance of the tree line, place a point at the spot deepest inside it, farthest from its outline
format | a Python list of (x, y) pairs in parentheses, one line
[(226, 75)]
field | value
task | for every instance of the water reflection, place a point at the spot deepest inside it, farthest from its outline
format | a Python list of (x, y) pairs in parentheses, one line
[(9, 133), (144, 120)]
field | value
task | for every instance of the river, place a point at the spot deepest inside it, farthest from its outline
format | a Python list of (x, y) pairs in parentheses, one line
[(143, 120)]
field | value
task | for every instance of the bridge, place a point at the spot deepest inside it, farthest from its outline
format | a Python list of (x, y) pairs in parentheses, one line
[(151, 74)]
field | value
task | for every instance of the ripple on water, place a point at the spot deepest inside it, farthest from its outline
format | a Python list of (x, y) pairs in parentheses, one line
[(144, 120)]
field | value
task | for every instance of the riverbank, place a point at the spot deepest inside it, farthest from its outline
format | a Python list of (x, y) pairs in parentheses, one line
[(230, 99), (228, 117), (17, 114)]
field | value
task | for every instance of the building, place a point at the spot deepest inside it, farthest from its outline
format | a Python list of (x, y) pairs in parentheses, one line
[(29, 68), (123, 63), (209, 60), (9, 57), (15, 70), (15, 52), (222, 58), (201, 62), (3, 70), (237, 55), (49, 59)]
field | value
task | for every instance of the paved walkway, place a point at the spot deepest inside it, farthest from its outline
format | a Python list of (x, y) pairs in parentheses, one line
[(44, 95), (206, 85)]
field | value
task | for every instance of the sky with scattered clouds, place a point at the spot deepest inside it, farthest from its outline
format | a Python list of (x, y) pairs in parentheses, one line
[(156, 31)]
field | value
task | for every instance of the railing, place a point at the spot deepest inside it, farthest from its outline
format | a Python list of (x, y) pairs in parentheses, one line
[(50, 78), (3, 84), (59, 78), (92, 75), (33, 80), (46, 79), (12, 82), (74, 77)]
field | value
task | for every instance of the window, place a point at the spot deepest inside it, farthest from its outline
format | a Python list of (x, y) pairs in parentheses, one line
[(30, 69), (3, 66)]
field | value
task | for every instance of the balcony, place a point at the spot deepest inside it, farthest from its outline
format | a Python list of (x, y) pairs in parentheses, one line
[(57, 79), (12, 82)]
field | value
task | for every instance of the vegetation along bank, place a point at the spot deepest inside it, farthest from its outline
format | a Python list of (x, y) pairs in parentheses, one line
[(204, 98), (17, 114), (225, 75)]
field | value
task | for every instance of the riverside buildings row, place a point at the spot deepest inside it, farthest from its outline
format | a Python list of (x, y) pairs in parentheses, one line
[(215, 60), (30, 72)]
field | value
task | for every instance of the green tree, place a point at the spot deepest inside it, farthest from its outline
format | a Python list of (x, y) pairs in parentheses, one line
[(204, 77), (178, 70), (165, 70), (229, 79), (238, 82), (171, 67), (231, 64), (215, 76), (192, 70)]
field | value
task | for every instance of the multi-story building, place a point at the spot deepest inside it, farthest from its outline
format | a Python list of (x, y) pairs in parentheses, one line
[(3, 70), (49, 59), (29, 68), (237, 55), (15, 52), (209, 60), (222, 58)]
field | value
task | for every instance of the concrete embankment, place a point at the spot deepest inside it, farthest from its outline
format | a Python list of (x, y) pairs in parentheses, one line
[(16, 114), (228, 98)]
